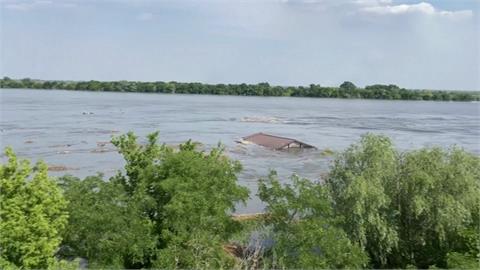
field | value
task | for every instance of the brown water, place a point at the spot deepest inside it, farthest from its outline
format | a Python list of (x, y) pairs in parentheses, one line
[(69, 128)]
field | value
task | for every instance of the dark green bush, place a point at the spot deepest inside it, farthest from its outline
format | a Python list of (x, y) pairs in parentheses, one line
[(170, 209), (106, 225), (409, 208), (305, 232)]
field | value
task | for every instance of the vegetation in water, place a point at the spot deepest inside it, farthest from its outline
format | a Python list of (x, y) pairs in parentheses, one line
[(345, 90), (171, 208)]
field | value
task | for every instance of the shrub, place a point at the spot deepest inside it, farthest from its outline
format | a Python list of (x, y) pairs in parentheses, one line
[(106, 225), (305, 231), (32, 215), (408, 208), (360, 183), (193, 193)]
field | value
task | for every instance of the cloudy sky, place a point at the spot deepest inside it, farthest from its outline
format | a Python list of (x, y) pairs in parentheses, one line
[(431, 44)]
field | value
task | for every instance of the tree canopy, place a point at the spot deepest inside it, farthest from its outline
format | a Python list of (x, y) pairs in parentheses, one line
[(171, 208), (415, 208), (305, 230), (105, 224), (32, 215), (346, 89)]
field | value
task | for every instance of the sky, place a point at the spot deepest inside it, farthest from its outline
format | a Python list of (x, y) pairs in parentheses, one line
[(432, 44)]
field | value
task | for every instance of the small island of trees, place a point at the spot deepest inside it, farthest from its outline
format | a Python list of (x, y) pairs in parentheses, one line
[(345, 90)]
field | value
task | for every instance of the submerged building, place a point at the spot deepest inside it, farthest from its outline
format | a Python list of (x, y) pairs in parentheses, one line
[(275, 142)]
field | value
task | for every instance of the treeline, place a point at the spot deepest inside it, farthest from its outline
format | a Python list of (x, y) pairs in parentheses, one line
[(170, 209), (345, 90)]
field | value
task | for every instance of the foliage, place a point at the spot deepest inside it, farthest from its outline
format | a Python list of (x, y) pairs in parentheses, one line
[(65, 265), (348, 86), (359, 182), (32, 215), (106, 225), (438, 199), (467, 246), (458, 260), (170, 208), (192, 192), (305, 231), (407, 209), (346, 89)]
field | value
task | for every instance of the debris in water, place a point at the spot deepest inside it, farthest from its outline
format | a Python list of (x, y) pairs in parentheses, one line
[(59, 168), (101, 150), (60, 145), (102, 144), (260, 119), (327, 152)]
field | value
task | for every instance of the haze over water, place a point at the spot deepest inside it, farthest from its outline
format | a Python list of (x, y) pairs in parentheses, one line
[(72, 129)]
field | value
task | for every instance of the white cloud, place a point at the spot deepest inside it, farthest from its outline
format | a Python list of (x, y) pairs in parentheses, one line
[(26, 5), (372, 2), (145, 16), (380, 7), (302, 1)]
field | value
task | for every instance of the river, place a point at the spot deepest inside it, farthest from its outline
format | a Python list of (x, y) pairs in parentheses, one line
[(71, 128)]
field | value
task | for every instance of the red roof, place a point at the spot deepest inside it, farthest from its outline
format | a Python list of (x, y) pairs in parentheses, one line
[(276, 142)]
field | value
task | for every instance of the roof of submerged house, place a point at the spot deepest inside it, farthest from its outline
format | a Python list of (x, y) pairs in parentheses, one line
[(275, 142)]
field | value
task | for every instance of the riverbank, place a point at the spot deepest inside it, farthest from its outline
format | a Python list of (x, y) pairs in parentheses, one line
[(346, 90)]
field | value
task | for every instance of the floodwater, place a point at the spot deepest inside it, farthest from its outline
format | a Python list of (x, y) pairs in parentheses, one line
[(71, 129)]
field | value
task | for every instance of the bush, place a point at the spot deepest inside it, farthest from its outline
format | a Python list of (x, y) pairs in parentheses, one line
[(106, 225), (360, 184), (413, 209), (407, 208), (193, 193), (170, 209), (305, 231), (32, 215)]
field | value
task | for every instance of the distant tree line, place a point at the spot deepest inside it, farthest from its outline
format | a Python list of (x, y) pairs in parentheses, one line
[(345, 90)]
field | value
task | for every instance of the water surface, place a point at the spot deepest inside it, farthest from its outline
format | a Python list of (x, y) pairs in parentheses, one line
[(71, 128)]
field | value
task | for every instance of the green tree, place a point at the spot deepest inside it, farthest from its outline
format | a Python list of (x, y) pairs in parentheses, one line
[(32, 215), (106, 225), (305, 231), (359, 182), (346, 89), (348, 86), (416, 208), (194, 193), (438, 199)]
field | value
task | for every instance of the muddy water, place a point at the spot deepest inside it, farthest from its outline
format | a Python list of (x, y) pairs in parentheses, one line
[(70, 130)]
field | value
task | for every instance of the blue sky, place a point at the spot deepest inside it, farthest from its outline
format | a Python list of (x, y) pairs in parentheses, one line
[(415, 44)]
